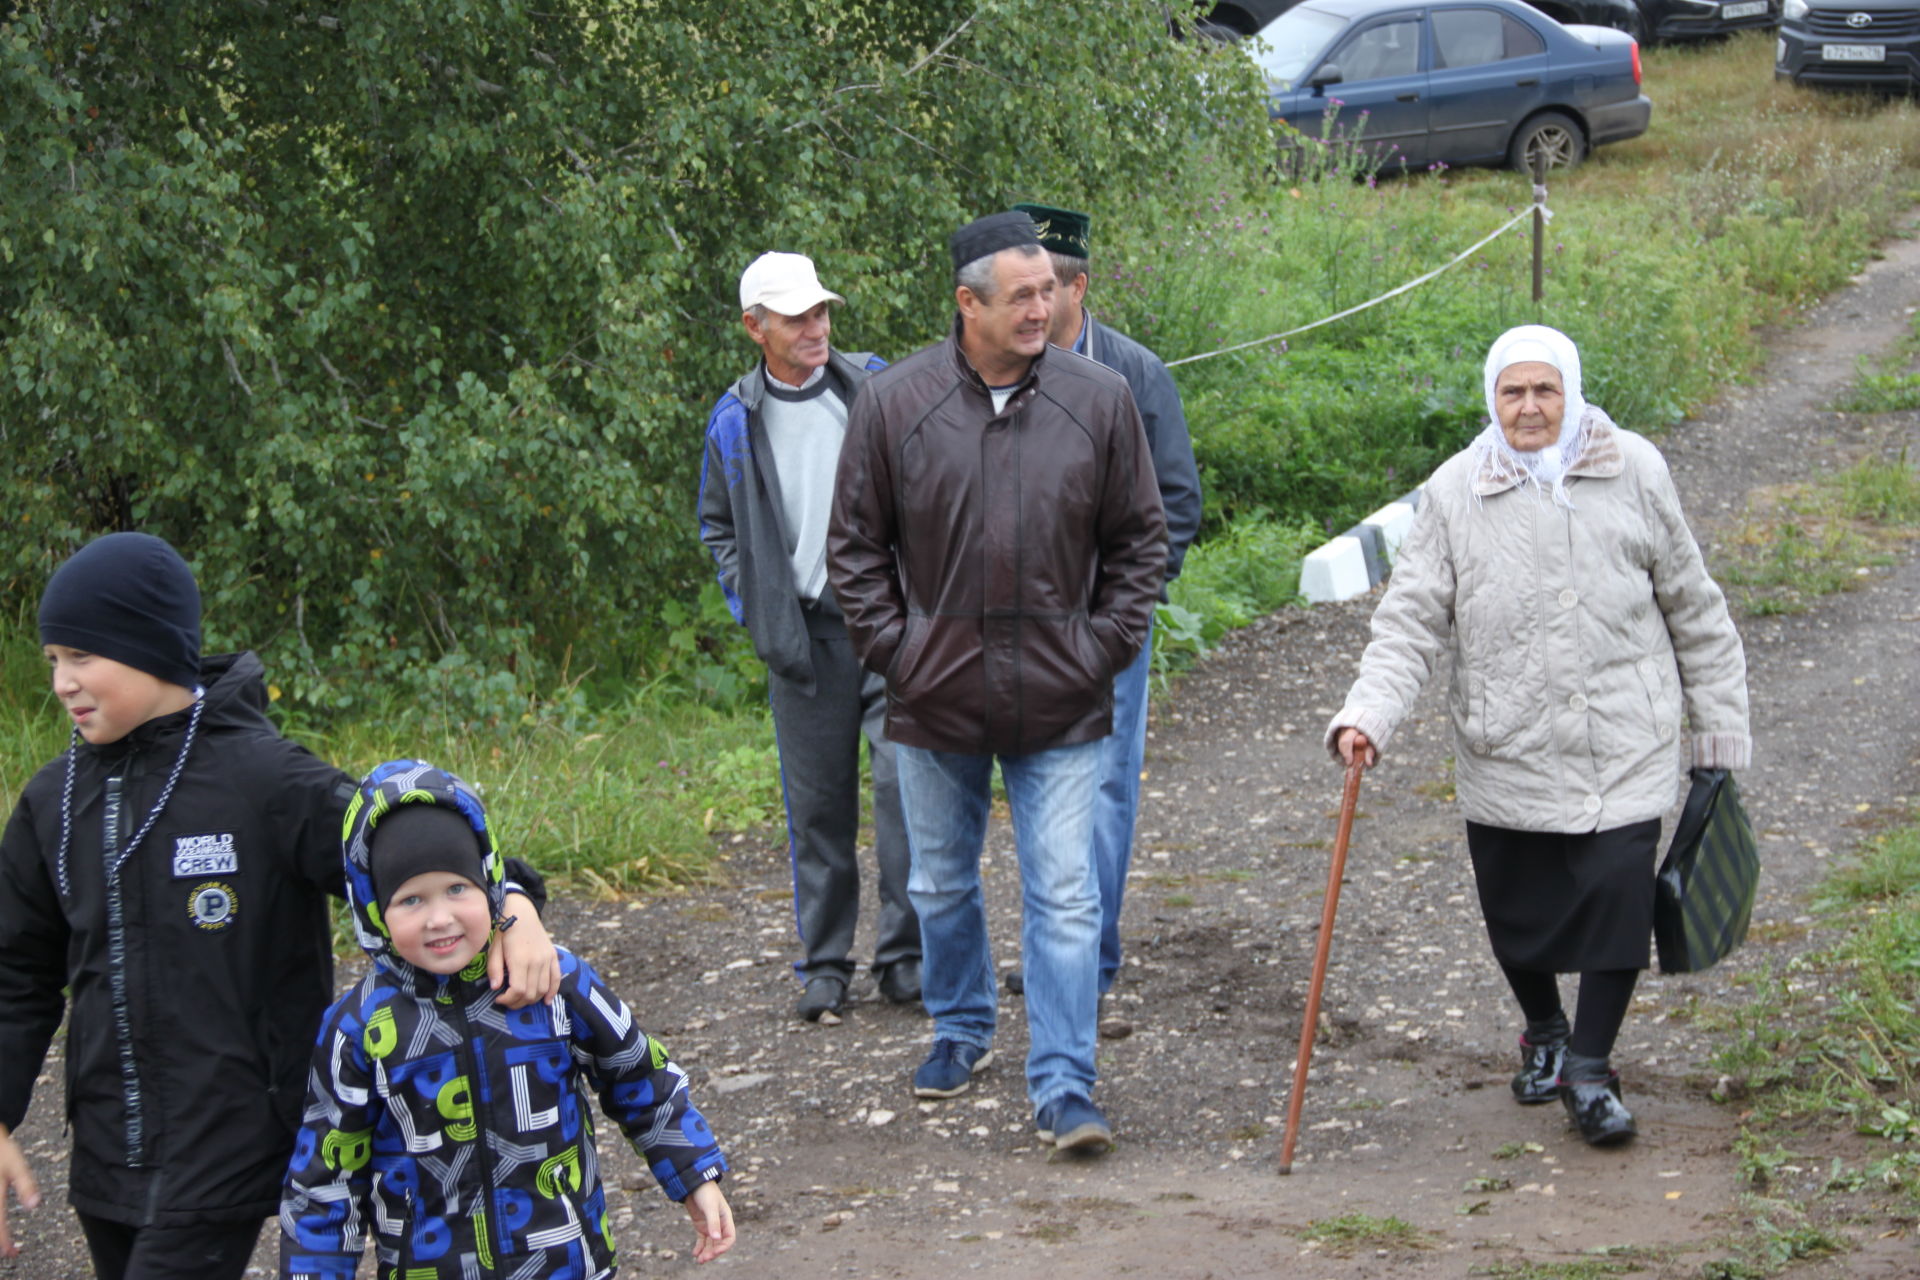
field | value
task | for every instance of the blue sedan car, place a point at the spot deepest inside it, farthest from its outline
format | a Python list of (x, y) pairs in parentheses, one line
[(1459, 82)]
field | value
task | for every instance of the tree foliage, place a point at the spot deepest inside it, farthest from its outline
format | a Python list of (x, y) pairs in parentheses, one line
[(403, 320)]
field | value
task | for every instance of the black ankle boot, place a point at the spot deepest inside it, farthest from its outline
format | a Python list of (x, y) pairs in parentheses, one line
[(1595, 1108), (1539, 1076)]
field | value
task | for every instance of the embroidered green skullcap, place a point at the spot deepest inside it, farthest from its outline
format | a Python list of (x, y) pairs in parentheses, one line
[(1061, 231)]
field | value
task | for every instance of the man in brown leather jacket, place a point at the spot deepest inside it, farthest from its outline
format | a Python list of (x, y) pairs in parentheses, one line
[(997, 544)]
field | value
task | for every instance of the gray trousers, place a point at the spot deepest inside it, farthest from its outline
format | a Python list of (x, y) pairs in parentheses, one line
[(819, 740)]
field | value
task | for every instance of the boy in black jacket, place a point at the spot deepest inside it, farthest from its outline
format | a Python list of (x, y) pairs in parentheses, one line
[(170, 870)]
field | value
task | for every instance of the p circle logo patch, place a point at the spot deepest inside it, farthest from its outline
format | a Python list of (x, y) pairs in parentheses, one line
[(212, 905)]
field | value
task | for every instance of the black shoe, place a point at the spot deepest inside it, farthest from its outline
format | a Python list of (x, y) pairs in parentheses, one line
[(1016, 982), (1538, 1079), (1595, 1107), (900, 982), (825, 994)]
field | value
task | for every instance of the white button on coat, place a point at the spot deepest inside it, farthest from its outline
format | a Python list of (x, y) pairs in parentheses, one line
[(1578, 702), (1569, 598), (1592, 804)]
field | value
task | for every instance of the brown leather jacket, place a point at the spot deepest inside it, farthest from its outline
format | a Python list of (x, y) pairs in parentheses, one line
[(997, 569)]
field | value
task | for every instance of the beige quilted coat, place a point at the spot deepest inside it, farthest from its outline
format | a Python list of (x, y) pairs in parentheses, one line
[(1579, 638)]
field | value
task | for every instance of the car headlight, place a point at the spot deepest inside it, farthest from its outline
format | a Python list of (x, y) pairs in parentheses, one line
[(1794, 9)]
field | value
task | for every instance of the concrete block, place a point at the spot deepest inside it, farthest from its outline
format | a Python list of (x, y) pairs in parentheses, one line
[(1372, 548), (1392, 521), (1336, 571)]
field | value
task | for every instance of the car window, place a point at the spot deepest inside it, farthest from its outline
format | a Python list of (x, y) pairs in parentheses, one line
[(1390, 48), (1475, 37), (1522, 41), (1287, 45)]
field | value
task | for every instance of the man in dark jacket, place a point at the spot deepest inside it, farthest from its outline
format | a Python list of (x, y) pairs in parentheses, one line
[(997, 545), (1065, 236), (766, 487)]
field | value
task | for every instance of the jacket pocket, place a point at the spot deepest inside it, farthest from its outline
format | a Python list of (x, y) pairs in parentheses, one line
[(1098, 661), (1470, 710), (913, 638), (1661, 684)]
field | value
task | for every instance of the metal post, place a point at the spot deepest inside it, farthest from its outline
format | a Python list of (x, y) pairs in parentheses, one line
[(1539, 221)]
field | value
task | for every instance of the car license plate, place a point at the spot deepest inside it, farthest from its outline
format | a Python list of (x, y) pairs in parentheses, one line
[(1745, 10), (1854, 52)]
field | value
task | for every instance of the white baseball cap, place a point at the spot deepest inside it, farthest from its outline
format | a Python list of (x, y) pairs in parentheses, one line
[(785, 283)]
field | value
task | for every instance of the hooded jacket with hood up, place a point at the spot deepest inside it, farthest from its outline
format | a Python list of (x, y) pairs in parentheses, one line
[(197, 972), (455, 1134)]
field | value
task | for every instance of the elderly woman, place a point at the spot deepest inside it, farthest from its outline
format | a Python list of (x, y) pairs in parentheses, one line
[(1550, 560)]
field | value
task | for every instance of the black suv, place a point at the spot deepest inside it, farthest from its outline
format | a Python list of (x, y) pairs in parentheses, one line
[(1859, 44), (1697, 19)]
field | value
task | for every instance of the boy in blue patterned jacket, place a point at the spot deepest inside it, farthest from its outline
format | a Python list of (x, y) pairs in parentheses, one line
[(453, 1132)]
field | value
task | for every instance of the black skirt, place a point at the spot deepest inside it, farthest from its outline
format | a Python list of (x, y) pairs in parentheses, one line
[(1567, 903)]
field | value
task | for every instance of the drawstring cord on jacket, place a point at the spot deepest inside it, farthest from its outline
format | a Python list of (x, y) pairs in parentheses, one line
[(166, 794)]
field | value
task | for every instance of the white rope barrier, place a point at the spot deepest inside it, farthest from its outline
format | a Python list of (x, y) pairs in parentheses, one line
[(1540, 203)]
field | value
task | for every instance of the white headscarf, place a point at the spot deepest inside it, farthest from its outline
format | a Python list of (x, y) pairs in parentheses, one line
[(1545, 467)]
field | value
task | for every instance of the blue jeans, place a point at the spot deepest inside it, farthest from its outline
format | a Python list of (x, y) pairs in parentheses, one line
[(1121, 757), (946, 796)]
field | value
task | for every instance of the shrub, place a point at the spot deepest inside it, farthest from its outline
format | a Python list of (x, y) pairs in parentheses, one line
[(402, 323)]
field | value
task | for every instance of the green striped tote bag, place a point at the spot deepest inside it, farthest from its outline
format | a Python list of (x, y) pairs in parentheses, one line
[(1703, 895)]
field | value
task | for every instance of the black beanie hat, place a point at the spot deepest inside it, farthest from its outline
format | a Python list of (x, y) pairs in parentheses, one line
[(417, 838), (131, 598)]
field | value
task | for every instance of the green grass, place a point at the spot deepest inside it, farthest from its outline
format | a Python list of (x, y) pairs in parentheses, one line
[(1823, 1054), (1746, 200), (1888, 385), (630, 797), (1248, 570), (1883, 393), (1567, 1269), (1514, 1150), (1364, 1231), (1802, 541)]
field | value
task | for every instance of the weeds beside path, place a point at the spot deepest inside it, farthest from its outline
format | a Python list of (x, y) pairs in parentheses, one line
[(1414, 1162)]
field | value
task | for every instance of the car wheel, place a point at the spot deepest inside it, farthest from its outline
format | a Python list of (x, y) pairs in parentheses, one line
[(1551, 134)]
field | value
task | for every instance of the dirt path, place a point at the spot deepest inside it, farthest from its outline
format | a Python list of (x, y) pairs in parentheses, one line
[(847, 1175), (840, 1172)]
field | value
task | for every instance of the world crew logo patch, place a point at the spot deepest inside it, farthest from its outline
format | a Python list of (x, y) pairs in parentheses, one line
[(213, 905), (211, 854)]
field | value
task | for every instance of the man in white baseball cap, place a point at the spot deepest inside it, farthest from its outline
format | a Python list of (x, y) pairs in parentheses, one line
[(766, 489)]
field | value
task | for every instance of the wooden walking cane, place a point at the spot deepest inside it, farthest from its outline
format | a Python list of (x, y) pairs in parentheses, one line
[(1349, 800)]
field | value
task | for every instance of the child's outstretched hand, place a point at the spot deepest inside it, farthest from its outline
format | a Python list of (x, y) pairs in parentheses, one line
[(712, 1221), (15, 1174), (523, 958)]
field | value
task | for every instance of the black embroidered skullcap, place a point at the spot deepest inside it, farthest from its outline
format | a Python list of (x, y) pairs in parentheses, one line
[(989, 235), (1061, 231)]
